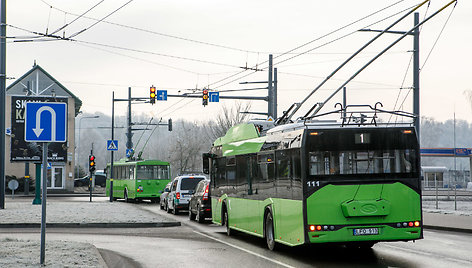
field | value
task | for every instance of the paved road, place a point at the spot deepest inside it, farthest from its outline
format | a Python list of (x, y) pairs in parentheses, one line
[(438, 249), (206, 245)]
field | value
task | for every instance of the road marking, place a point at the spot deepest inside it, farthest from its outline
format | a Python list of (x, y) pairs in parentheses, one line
[(245, 250)]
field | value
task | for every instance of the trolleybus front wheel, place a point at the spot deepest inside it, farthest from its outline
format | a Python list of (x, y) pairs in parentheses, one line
[(126, 196), (269, 231)]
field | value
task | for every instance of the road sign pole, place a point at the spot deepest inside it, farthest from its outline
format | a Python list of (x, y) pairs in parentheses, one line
[(112, 138), (43, 209), (3, 74)]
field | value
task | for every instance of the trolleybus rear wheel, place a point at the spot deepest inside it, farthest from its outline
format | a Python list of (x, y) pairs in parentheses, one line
[(269, 231)]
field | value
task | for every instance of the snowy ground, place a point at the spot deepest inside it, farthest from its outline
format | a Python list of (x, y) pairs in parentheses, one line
[(19, 254), (464, 207), (26, 254), (81, 211)]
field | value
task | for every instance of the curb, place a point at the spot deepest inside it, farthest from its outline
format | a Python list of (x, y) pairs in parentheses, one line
[(92, 225), (447, 228)]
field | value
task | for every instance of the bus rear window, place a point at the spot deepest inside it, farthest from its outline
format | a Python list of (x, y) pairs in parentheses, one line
[(362, 162), (189, 183), (152, 173)]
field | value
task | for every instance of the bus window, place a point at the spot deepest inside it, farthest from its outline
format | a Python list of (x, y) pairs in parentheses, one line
[(362, 162)]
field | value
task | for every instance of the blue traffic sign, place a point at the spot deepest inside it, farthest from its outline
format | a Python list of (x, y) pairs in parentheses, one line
[(112, 145), (161, 95), (129, 152), (46, 122), (214, 96)]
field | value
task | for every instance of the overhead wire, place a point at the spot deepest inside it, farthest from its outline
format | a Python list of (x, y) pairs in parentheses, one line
[(124, 48), (316, 39), (77, 18), (97, 22), (434, 44)]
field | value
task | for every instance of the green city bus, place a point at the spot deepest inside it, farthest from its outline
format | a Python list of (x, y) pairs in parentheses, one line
[(138, 180), (318, 182)]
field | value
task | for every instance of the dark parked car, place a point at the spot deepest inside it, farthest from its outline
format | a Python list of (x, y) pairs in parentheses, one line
[(199, 204), (100, 179), (81, 181), (163, 201)]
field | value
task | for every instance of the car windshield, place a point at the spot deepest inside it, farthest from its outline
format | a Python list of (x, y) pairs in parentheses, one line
[(189, 183), (152, 173)]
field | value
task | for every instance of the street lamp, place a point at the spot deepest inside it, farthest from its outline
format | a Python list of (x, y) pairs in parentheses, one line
[(78, 140)]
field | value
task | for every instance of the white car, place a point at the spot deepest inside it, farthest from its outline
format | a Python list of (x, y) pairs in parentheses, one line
[(181, 191)]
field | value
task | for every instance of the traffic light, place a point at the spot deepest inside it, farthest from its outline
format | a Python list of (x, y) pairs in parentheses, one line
[(91, 163), (152, 95), (205, 97)]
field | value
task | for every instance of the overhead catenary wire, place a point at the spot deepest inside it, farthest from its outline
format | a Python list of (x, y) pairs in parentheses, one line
[(55, 37), (420, 70), (316, 39), (77, 18), (97, 22), (382, 52)]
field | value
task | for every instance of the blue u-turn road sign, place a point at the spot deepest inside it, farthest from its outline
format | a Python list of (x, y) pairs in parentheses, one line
[(46, 122)]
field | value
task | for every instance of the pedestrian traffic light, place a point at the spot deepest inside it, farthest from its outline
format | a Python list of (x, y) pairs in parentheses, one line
[(91, 163), (152, 95), (205, 97)]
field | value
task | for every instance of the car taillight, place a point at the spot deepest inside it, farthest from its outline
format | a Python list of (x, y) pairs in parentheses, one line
[(205, 194), (140, 189), (177, 195)]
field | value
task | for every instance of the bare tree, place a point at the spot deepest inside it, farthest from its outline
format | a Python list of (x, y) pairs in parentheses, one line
[(227, 118), (186, 147)]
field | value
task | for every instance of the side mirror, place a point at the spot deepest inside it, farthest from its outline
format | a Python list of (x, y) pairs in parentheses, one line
[(206, 162)]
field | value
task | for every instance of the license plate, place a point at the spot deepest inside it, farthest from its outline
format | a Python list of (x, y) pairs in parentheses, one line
[(366, 231)]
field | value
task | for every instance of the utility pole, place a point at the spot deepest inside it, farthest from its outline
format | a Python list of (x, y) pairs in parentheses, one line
[(416, 66), (129, 135), (270, 105), (416, 74), (274, 96), (3, 77)]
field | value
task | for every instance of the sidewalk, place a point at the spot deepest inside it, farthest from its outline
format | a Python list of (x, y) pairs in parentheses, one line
[(446, 217), (77, 211), (69, 212)]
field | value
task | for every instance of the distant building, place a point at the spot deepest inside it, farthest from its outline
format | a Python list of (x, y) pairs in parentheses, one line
[(23, 158)]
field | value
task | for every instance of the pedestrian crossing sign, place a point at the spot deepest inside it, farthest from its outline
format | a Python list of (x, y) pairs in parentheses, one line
[(112, 145)]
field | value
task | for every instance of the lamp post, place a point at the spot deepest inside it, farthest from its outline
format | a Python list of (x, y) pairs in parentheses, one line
[(78, 140)]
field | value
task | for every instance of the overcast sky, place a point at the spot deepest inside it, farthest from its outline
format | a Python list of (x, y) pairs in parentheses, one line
[(180, 45)]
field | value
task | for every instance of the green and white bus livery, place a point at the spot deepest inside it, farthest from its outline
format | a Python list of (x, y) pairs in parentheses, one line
[(138, 180), (316, 182)]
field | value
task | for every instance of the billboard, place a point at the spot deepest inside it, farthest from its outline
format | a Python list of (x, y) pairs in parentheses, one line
[(22, 151)]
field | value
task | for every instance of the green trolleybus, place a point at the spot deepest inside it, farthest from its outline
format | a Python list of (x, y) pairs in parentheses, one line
[(318, 182), (138, 180)]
